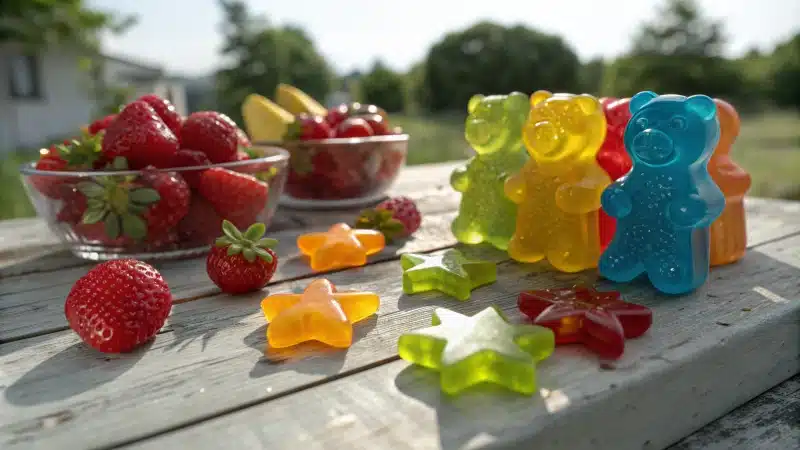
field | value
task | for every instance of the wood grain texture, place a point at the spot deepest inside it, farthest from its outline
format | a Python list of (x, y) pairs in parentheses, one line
[(706, 354), (59, 393), (33, 305), (769, 422)]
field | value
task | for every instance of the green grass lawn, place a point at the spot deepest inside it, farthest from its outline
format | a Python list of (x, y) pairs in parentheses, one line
[(768, 147)]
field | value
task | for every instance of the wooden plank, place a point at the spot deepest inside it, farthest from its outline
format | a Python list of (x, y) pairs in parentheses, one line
[(771, 421), (59, 393), (34, 304), (26, 245), (707, 353)]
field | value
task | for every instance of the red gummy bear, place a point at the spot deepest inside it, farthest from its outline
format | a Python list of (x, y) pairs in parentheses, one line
[(612, 156), (601, 321)]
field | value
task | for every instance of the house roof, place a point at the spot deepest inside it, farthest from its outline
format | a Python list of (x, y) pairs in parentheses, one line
[(135, 64)]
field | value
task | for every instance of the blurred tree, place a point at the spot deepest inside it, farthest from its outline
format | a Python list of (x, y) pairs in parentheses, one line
[(785, 74), (262, 56), (679, 52), (36, 24), (489, 58), (384, 87), (591, 76), (416, 89)]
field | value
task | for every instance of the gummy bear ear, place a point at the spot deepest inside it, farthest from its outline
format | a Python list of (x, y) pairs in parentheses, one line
[(473, 102), (516, 101), (540, 96), (587, 103), (703, 106), (641, 99)]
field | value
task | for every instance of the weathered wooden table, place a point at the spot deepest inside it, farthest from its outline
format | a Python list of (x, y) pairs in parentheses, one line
[(208, 381)]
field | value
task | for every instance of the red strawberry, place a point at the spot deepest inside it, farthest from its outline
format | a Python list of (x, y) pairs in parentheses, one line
[(191, 158), (73, 208), (166, 111), (354, 127), (50, 186), (212, 133), (173, 204), (242, 156), (337, 115), (118, 305), (379, 125), (235, 196), (307, 127), (96, 232), (101, 124), (395, 217), (242, 262), (201, 224), (139, 135), (242, 138)]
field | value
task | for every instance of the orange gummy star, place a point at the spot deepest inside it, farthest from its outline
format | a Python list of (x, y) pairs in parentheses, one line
[(318, 314), (340, 246)]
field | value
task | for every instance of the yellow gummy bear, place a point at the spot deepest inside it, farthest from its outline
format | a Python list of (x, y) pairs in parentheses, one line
[(558, 191)]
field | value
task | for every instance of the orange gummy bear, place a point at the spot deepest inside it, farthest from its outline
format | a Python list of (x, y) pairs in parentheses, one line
[(318, 314), (728, 233), (340, 247)]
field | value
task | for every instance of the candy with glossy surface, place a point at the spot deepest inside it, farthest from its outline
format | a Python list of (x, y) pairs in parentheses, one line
[(449, 272), (318, 314), (601, 321), (482, 348), (558, 191), (728, 232), (666, 203), (494, 129), (340, 247), (612, 156)]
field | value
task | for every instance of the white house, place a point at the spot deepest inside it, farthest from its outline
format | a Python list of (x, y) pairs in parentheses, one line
[(47, 96)]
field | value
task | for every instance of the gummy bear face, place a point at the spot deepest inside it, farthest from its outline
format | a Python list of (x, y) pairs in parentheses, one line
[(563, 128), (494, 122), (729, 125), (667, 129)]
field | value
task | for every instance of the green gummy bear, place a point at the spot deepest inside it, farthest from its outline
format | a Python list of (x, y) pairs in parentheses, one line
[(494, 129), (482, 348), (449, 272)]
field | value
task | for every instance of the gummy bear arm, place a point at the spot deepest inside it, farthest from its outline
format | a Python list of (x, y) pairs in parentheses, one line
[(715, 203), (735, 181), (459, 179), (584, 196), (615, 201), (514, 188)]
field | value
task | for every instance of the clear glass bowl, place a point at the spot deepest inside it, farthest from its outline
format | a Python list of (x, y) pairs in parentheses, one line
[(189, 232), (332, 170)]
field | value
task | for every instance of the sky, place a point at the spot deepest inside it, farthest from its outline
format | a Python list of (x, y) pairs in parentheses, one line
[(183, 35)]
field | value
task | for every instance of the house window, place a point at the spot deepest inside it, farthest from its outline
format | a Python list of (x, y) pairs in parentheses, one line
[(23, 77)]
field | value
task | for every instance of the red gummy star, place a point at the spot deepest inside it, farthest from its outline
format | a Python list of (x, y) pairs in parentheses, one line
[(601, 321)]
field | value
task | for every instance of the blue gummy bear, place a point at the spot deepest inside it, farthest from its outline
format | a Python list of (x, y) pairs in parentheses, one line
[(666, 203)]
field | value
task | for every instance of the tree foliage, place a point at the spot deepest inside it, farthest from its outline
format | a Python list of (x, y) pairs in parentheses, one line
[(785, 74), (678, 52), (384, 87), (489, 58), (36, 24), (261, 56)]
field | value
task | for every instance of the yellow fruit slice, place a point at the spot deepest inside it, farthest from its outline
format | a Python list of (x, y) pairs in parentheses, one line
[(297, 102), (264, 120)]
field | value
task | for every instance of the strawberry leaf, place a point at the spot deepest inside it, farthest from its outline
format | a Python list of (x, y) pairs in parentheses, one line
[(266, 243), (134, 226), (144, 196), (263, 254), (94, 216), (234, 249), (255, 231), (249, 254), (223, 241), (113, 226), (231, 231), (91, 189)]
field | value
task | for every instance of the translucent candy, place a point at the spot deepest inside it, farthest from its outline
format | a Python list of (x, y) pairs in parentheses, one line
[(493, 129), (601, 321), (340, 247), (558, 191), (449, 272), (482, 348), (728, 232), (666, 203), (318, 314), (612, 156)]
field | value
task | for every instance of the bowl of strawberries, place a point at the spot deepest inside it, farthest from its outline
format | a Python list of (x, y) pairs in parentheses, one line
[(348, 155), (147, 183)]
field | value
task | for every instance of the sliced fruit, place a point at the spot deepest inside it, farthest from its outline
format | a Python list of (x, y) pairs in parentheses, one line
[(265, 120), (297, 102)]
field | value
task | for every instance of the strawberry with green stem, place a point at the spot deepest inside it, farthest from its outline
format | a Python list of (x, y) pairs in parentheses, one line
[(395, 217), (242, 262), (75, 154)]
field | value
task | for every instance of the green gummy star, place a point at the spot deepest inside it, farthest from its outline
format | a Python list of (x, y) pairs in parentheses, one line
[(482, 348), (449, 272)]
